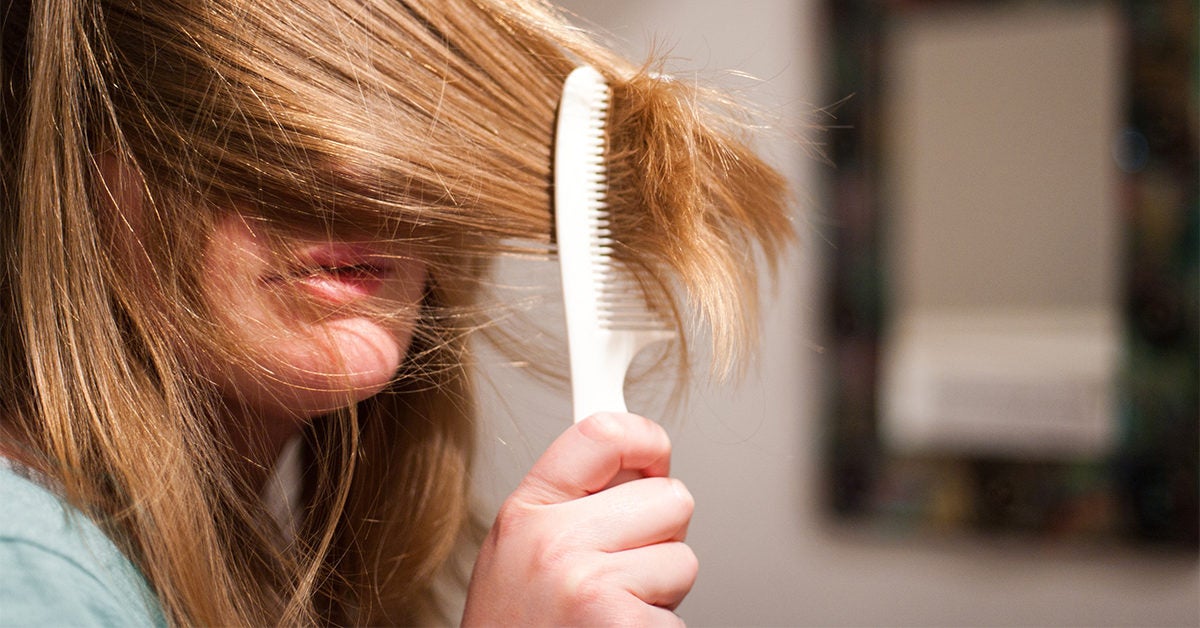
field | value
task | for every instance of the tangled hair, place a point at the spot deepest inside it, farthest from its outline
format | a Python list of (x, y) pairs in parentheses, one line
[(426, 121)]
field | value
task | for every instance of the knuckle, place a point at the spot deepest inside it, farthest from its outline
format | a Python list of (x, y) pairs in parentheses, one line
[(686, 501), (604, 427), (627, 615), (583, 585), (590, 596), (511, 516), (552, 552), (660, 438), (656, 428), (651, 429), (689, 563), (679, 501)]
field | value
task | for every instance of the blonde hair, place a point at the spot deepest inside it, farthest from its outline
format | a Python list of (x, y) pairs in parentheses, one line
[(428, 121)]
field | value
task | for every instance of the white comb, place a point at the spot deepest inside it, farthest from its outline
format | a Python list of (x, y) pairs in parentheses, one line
[(608, 321)]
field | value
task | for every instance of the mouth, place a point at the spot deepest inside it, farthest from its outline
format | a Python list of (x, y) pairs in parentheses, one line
[(338, 273)]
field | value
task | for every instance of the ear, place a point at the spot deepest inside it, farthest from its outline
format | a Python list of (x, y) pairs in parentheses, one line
[(120, 193)]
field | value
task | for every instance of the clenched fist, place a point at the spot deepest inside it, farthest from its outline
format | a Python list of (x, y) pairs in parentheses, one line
[(593, 535)]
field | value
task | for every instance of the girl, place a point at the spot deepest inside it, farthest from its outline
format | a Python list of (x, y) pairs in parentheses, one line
[(228, 224)]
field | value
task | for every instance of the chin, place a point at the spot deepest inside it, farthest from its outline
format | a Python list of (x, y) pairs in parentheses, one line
[(366, 359), (344, 362)]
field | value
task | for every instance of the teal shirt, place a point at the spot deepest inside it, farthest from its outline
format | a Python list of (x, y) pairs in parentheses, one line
[(58, 569)]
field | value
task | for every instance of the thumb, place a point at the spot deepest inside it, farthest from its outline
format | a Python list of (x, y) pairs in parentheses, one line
[(588, 457)]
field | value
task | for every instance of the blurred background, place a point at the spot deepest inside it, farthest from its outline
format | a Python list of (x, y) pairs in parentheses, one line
[(976, 401)]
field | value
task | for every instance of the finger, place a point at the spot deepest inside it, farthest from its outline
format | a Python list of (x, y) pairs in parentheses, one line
[(635, 514), (590, 454), (658, 617), (623, 476), (660, 575)]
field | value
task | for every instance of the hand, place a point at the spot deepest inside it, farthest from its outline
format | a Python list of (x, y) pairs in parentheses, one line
[(574, 546)]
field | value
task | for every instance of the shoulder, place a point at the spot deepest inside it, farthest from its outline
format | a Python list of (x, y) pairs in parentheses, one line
[(58, 568)]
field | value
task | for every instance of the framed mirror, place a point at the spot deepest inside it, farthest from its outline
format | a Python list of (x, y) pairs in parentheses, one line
[(1013, 293)]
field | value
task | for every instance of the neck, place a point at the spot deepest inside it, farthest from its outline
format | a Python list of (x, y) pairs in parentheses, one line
[(258, 441)]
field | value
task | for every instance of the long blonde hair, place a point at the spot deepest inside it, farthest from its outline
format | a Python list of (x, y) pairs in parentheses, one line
[(424, 120)]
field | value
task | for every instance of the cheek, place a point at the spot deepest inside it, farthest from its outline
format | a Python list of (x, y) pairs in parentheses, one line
[(286, 363), (347, 359)]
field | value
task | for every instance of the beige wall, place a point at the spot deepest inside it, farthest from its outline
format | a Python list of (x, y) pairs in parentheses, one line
[(1001, 190), (749, 455)]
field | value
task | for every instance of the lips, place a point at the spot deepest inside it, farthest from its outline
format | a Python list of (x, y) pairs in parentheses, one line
[(338, 273)]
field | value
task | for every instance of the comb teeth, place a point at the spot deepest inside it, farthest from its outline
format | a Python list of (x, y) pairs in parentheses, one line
[(620, 301), (608, 321)]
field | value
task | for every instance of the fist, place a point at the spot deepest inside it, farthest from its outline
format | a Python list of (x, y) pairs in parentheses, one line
[(593, 535)]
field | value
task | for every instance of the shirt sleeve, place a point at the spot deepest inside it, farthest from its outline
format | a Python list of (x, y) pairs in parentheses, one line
[(57, 568), (40, 586)]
